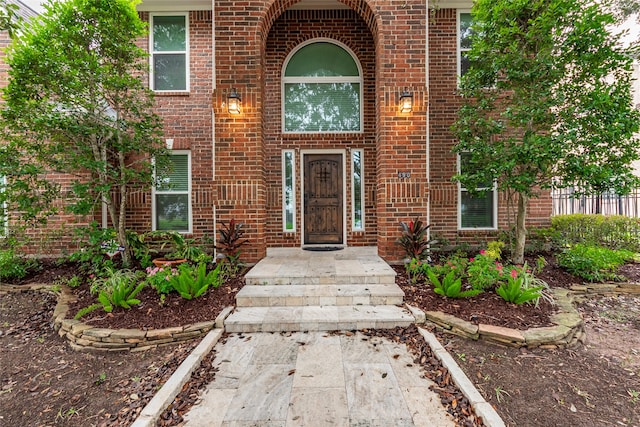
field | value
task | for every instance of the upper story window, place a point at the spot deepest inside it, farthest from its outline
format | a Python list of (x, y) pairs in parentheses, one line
[(464, 41), (322, 89), (169, 47)]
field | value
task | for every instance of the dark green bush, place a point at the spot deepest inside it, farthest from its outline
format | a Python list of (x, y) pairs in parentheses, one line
[(613, 232)]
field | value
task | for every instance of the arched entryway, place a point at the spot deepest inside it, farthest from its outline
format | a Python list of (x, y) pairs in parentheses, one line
[(319, 123)]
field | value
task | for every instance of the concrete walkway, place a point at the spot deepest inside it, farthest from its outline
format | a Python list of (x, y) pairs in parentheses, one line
[(316, 379)]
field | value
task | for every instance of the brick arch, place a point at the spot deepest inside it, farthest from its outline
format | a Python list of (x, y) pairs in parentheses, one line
[(278, 7)]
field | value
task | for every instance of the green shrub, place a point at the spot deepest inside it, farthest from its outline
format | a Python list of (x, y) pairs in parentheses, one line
[(613, 232), (450, 286), (594, 263), (118, 288), (191, 283), (95, 243), (414, 239), (484, 271), (160, 278), (14, 266), (515, 293)]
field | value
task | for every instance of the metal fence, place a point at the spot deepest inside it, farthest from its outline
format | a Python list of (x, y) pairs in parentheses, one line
[(565, 202)]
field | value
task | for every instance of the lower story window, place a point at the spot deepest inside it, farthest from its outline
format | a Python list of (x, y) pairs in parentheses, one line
[(477, 210), (288, 191), (358, 194), (172, 195)]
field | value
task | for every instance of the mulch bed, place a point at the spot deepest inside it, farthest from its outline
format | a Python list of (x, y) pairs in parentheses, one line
[(152, 314), (488, 307)]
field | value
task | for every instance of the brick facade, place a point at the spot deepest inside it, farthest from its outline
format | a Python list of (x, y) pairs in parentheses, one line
[(236, 159)]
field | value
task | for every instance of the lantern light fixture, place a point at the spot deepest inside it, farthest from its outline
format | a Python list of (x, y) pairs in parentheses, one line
[(233, 102), (406, 102)]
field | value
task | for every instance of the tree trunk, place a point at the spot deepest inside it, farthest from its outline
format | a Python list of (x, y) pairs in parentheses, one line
[(121, 226), (521, 231)]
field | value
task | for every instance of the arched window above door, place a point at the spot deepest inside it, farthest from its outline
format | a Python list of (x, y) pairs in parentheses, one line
[(321, 89)]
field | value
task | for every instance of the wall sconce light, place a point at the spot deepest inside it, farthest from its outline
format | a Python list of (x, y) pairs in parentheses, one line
[(233, 102), (406, 102)]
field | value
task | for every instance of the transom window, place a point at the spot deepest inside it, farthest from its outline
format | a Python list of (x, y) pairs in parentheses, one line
[(322, 89), (169, 46)]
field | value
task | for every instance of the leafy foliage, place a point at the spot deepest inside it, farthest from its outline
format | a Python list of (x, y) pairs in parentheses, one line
[(95, 242), (450, 286), (184, 248), (160, 278), (414, 239), (548, 95), (515, 293), (593, 263), (75, 82), (9, 19), (118, 289), (484, 271), (14, 266), (231, 240), (191, 283)]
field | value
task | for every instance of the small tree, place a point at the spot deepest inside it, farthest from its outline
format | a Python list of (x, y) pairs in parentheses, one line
[(76, 104), (548, 95)]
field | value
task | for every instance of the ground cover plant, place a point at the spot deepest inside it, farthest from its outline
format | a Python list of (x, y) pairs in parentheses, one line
[(594, 263)]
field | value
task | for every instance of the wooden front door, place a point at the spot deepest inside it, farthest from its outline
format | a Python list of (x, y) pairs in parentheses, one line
[(323, 186)]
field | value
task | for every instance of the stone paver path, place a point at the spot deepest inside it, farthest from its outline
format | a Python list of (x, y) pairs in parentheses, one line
[(316, 379)]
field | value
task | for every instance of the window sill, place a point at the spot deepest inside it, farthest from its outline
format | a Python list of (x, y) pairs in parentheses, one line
[(172, 93)]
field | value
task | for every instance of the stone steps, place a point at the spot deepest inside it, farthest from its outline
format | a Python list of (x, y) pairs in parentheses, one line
[(296, 290), (318, 295), (317, 318), (300, 276)]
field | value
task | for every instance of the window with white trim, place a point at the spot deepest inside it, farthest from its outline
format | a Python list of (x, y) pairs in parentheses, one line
[(357, 184), (321, 89), (172, 194), (169, 47), (464, 41), (288, 191), (477, 211)]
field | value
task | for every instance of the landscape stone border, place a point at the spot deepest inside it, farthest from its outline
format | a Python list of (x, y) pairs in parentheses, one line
[(83, 337), (567, 331), (607, 289)]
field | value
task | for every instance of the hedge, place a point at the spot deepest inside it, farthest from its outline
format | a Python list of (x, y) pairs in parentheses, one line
[(611, 231)]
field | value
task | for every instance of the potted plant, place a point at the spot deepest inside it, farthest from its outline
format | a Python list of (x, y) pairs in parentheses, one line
[(184, 250)]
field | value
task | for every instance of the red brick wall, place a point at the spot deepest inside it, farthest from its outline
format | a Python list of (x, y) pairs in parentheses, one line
[(236, 160), (188, 121)]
